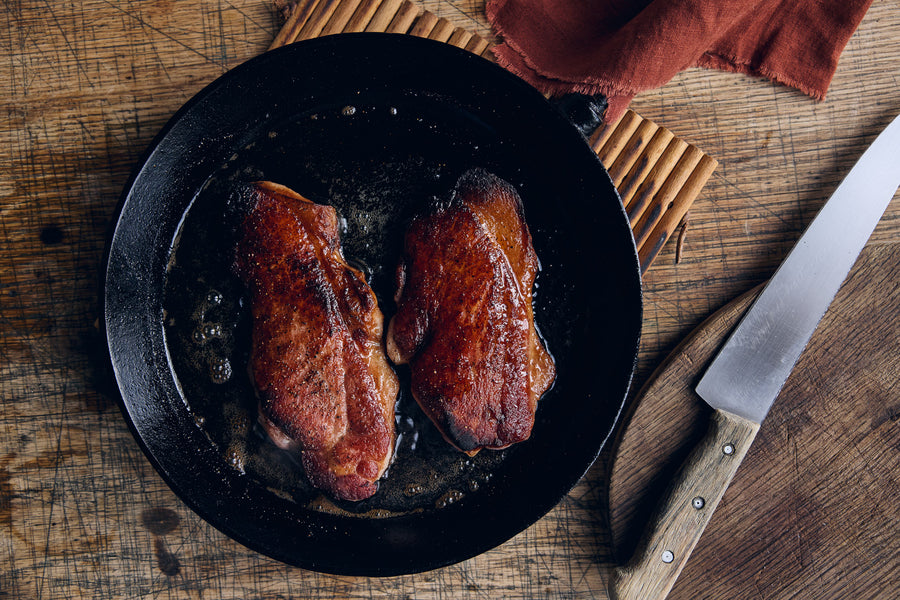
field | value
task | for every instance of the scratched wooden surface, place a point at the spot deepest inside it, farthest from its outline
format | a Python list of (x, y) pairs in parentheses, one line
[(818, 469), (86, 85)]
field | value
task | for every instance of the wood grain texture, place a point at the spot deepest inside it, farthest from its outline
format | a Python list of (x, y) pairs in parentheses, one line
[(636, 483), (816, 493), (684, 510), (85, 87)]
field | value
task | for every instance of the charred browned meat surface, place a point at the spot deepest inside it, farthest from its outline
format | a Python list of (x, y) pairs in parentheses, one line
[(317, 360), (464, 319)]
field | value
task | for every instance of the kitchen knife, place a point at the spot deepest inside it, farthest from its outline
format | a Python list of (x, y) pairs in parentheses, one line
[(745, 377)]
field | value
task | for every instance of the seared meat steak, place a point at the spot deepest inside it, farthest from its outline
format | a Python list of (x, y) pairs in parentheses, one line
[(464, 319), (317, 360)]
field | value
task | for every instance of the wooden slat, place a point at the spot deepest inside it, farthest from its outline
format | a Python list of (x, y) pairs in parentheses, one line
[(647, 191), (404, 19), (441, 31), (657, 174), (424, 24), (341, 17), (619, 137), (478, 45), (663, 202), (677, 210), (461, 36), (622, 164), (299, 16), (318, 19), (645, 162), (363, 16), (382, 18)]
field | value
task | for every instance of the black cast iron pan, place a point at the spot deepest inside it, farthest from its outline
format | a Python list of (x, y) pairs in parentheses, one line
[(374, 124)]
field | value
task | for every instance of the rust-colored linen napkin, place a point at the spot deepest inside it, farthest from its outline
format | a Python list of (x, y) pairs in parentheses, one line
[(622, 47)]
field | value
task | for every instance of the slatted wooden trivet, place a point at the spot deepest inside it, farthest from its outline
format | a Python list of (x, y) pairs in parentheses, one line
[(658, 175)]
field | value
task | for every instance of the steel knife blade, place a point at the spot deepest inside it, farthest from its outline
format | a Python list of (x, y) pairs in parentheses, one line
[(746, 376)]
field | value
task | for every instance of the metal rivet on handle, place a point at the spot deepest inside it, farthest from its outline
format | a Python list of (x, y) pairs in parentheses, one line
[(667, 556), (698, 502), (728, 449)]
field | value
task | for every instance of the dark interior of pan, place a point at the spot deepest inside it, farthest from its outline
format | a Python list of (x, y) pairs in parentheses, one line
[(375, 125)]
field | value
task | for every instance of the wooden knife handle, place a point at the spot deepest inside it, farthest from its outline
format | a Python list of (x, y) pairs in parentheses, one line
[(686, 508)]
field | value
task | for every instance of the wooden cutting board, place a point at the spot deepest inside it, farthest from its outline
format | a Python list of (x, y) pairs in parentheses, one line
[(811, 512)]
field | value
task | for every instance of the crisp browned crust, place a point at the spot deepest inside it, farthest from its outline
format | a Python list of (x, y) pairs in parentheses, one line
[(464, 319), (317, 360)]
